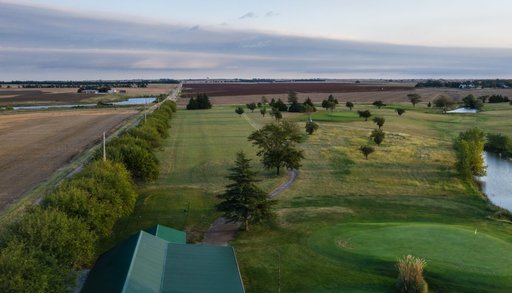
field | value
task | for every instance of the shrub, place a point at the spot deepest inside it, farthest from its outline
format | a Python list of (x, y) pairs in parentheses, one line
[(410, 275), (311, 127), (200, 102), (499, 144), (366, 150), (378, 136), (147, 133), (65, 239)]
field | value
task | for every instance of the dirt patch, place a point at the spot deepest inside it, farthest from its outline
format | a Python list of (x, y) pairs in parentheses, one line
[(34, 145)]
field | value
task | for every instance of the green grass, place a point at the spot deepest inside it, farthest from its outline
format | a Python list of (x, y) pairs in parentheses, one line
[(406, 197), (409, 179), (194, 161), (471, 256)]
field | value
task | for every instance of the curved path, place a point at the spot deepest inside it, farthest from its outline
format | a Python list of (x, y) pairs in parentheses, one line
[(221, 232)]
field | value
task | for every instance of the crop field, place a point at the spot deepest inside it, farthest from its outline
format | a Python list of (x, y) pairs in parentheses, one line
[(18, 96), (346, 220), (237, 89), (34, 145), (224, 94)]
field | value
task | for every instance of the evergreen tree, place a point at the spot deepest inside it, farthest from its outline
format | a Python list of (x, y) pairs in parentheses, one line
[(243, 201)]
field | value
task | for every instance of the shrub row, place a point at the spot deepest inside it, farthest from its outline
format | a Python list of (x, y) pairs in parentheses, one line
[(41, 250)]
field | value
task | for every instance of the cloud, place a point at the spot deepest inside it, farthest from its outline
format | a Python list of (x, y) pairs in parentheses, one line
[(42, 43), (271, 14), (248, 15)]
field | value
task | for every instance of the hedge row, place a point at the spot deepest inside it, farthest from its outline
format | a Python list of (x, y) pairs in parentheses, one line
[(41, 251)]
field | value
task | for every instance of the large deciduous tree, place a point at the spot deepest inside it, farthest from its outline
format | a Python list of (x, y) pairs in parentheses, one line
[(414, 99), (277, 145), (243, 201)]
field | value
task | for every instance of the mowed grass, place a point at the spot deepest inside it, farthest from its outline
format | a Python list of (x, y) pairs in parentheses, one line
[(194, 161), (409, 180)]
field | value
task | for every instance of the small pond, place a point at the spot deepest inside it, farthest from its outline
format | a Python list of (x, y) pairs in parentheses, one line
[(463, 110), (129, 102), (497, 184)]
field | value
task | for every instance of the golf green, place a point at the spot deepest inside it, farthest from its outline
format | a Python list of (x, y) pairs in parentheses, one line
[(446, 248)]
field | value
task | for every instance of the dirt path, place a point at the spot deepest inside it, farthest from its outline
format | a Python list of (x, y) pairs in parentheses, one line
[(221, 232)]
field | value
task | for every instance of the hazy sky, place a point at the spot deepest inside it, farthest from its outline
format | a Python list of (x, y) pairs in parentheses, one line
[(56, 39)]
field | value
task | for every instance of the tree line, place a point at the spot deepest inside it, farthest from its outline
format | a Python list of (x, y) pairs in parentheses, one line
[(42, 249)]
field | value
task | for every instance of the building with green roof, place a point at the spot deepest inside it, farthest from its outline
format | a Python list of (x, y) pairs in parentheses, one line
[(159, 260)]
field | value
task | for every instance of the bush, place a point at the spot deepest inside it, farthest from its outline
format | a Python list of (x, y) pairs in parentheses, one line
[(147, 133), (410, 275), (498, 99), (469, 147), (499, 144), (26, 269), (65, 239)]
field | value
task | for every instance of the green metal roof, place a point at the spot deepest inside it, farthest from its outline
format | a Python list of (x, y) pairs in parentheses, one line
[(146, 263), (201, 268), (169, 234)]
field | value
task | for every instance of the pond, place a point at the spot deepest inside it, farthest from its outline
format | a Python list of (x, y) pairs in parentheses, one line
[(129, 102), (497, 184), (463, 110)]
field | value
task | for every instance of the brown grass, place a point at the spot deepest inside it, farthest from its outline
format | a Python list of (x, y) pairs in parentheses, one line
[(34, 145), (410, 275)]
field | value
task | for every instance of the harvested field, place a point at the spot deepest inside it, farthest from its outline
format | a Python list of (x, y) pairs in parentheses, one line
[(428, 94), (34, 145), (239, 89), (70, 95)]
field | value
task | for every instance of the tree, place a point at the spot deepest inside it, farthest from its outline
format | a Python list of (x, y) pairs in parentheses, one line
[(443, 102), (200, 102), (308, 109), (280, 105), (378, 136), (349, 105), (414, 99), (277, 145), (311, 127), (278, 115), (364, 114), (239, 110), (429, 104), (296, 107), (263, 111), (400, 111), (472, 103), (366, 150), (331, 98), (264, 100), (469, 147), (243, 201), (67, 240), (330, 103), (309, 103), (293, 97), (379, 121), (251, 106), (379, 104)]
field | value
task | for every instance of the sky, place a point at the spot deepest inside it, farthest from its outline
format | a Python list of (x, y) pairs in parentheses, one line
[(113, 39)]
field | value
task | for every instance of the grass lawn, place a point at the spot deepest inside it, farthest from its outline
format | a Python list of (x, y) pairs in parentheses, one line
[(343, 223), (193, 163), (409, 186)]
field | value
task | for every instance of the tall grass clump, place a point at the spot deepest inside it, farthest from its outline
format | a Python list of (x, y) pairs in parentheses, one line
[(410, 275)]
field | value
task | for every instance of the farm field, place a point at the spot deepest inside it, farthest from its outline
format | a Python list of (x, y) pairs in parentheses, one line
[(15, 96), (391, 94), (236, 89), (346, 220), (34, 145)]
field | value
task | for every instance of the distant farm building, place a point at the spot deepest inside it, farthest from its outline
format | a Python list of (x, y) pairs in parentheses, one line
[(159, 260)]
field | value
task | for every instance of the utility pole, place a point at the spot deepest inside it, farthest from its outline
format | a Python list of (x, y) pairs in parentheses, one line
[(145, 105), (104, 148), (278, 272)]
